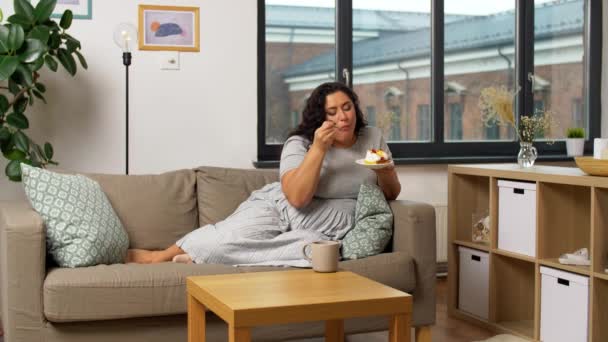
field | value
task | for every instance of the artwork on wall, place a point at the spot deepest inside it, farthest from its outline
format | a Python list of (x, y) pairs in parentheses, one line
[(80, 8), (172, 28)]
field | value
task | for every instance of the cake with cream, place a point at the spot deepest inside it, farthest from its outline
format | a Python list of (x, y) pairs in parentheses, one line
[(376, 156)]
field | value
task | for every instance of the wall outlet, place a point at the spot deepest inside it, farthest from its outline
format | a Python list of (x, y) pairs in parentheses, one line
[(169, 60)]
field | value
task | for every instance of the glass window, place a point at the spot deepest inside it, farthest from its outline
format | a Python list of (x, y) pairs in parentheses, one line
[(423, 119), (371, 115), (578, 116), (455, 121)]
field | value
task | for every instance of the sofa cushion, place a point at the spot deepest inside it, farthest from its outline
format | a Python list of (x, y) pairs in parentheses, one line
[(82, 229), (395, 269), (156, 210), (120, 291), (221, 190)]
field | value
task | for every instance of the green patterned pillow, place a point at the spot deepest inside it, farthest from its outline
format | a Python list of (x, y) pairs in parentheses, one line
[(373, 225), (82, 228)]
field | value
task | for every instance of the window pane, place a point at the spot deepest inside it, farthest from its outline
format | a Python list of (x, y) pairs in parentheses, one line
[(479, 52), (391, 65), (558, 63), (300, 55)]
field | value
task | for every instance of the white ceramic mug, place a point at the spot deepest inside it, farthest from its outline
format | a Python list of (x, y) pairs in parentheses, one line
[(324, 255)]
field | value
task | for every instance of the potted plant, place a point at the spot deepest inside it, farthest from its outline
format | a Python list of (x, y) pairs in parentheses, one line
[(575, 144), (30, 41)]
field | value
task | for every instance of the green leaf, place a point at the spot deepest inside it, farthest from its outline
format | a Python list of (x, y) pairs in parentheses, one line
[(83, 61), (16, 36), (22, 142), (1, 14), (3, 104), (48, 151), (40, 32), (30, 97), (67, 61), (24, 8), (8, 65), (13, 170), (18, 120), (51, 63), (4, 32), (18, 19), (25, 74), (38, 150), (34, 49), (36, 65), (41, 87), (66, 20), (20, 105), (72, 45), (13, 87), (44, 9), (55, 40), (5, 134), (39, 95), (15, 155)]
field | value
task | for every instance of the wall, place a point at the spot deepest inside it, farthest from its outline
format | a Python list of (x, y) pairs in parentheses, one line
[(203, 114)]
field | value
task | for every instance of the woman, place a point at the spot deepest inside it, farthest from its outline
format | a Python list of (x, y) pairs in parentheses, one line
[(315, 199)]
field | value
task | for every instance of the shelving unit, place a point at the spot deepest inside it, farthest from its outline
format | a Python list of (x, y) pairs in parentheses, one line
[(572, 212)]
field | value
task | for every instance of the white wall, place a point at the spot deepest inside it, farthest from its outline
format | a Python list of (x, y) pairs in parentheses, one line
[(203, 114)]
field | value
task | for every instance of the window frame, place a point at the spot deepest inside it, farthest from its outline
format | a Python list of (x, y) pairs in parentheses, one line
[(437, 150)]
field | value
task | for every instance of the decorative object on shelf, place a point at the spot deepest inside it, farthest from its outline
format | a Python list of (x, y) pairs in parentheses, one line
[(579, 257), (575, 142), (496, 105), (172, 28), (600, 148), (125, 37), (28, 42), (592, 166), (481, 227)]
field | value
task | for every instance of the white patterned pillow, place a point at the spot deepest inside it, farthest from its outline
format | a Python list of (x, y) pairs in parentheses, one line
[(373, 225), (82, 228)]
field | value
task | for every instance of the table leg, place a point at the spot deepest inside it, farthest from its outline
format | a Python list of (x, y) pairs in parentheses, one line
[(196, 320), (334, 330), (238, 334), (399, 328)]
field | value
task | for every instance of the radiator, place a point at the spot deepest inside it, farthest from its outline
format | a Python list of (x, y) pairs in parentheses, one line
[(441, 227)]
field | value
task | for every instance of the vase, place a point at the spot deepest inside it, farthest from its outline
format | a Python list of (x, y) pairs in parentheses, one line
[(527, 154)]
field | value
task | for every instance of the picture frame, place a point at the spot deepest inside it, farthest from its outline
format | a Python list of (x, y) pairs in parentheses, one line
[(81, 9), (169, 28)]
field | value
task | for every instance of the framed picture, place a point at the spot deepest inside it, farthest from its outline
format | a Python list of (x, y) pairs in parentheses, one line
[(172, 28), (82, 9)]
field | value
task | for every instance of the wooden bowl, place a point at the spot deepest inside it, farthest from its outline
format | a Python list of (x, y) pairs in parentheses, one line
[(592, 166)]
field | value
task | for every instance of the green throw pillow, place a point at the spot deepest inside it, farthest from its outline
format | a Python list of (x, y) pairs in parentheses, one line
[(373, 225), (82, 228)]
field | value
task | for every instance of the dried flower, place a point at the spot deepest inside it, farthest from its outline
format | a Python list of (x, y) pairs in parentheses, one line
[(496, 105)]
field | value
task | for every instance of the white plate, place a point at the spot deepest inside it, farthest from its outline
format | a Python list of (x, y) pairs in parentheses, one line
[(374, 166)]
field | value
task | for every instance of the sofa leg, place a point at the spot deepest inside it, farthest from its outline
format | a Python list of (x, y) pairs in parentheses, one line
[(423, 333)]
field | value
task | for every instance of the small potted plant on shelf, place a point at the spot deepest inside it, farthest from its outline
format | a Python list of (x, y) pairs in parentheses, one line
[(575, 144)]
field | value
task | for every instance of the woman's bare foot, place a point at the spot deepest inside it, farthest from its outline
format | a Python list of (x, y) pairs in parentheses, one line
[(142, 256), (182, 258)]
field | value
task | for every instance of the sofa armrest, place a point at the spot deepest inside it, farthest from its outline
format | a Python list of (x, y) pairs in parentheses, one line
[(414, 233), (22, 271)]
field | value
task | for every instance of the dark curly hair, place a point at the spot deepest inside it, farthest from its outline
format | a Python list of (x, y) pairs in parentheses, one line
[(314, 114)]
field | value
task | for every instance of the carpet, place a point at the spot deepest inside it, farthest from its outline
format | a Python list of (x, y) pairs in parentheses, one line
[(504, 338)]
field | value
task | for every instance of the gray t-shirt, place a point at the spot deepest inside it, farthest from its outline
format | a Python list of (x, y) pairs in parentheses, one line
[(341, 177)]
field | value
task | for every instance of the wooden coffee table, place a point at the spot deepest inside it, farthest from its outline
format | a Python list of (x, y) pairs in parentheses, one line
[(246, 300)]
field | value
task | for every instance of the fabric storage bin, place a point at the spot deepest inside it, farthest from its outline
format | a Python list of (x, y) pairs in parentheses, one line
[(473, 281), (564, 306), (517, 217)]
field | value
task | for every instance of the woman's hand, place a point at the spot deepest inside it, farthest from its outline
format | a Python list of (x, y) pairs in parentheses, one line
[(388, 182), (324, 136)]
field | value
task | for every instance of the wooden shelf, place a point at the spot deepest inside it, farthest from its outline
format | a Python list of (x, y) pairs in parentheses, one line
[(514, 255), (554, 263), (571, 213), (472, 245)]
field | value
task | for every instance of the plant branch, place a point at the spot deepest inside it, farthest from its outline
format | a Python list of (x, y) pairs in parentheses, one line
[(24, 90)]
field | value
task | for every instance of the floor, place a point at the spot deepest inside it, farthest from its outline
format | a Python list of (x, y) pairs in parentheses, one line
[(445, 329)]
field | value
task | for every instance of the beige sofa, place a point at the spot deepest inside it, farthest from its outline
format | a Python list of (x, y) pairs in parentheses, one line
[(132, 302)]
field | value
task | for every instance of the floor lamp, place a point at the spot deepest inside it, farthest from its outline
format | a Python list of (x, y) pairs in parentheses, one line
[(125, 37)]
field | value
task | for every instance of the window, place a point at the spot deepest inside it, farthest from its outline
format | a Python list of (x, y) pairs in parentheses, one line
[(419, 72)]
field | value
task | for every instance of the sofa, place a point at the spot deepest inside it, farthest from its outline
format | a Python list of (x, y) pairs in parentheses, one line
[(134, 302)]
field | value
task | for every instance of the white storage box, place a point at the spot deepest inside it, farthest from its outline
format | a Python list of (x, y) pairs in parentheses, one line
[(564, 306), (473, 282), (517, 217)]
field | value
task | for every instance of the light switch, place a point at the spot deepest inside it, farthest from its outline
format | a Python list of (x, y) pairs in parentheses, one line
[(169, 60)]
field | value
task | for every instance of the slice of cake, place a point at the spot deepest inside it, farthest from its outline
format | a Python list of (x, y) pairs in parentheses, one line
[(376, 156)]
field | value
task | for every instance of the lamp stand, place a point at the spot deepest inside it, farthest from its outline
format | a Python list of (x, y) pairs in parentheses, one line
[(126, 60)]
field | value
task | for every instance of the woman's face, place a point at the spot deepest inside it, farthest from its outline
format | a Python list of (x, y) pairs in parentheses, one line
[(341, 111)]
